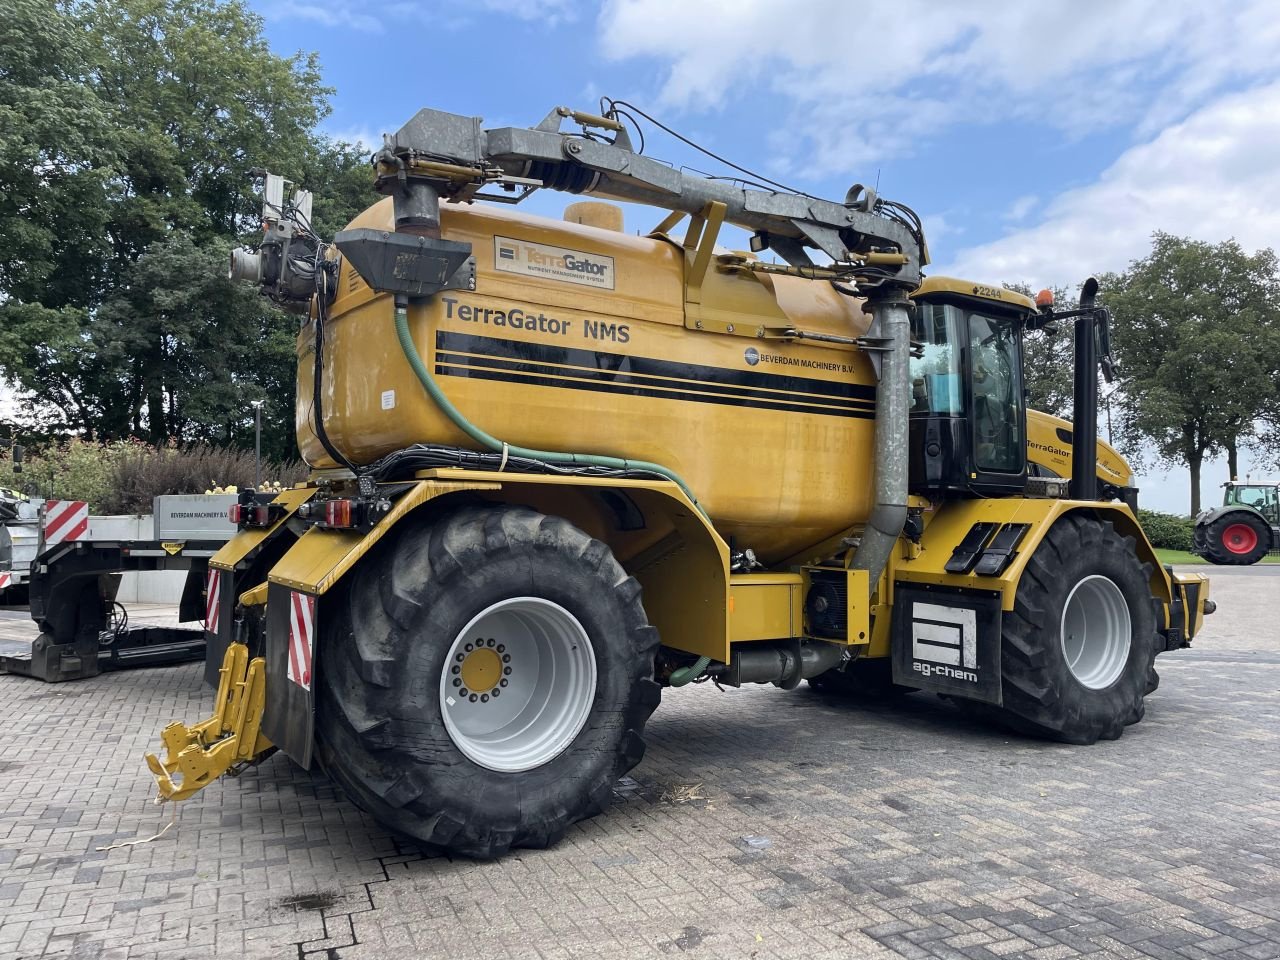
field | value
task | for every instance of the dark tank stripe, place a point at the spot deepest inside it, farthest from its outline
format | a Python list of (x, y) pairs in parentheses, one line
[(525, 350), (610, 379), (532, 368)]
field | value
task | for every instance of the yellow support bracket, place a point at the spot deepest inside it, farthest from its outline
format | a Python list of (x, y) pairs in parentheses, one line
[(197, 755)]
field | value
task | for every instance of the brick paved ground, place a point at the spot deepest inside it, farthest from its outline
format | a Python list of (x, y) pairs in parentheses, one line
[(817, 830)]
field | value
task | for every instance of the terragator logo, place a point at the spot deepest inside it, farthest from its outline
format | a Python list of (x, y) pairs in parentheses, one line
[(553, 263)]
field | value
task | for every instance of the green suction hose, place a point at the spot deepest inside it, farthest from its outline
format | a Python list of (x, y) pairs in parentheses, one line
[(493, 443), (690, 673)]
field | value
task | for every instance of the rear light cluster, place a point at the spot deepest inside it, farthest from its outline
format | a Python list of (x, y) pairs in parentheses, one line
[(345, 513), (339, 513), (252, 514)]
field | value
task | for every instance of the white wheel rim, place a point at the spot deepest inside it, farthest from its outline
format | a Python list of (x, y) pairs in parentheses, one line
[(536, 669), (1096, 632)]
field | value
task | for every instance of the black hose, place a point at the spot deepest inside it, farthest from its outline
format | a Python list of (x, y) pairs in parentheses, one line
[(317, 403)]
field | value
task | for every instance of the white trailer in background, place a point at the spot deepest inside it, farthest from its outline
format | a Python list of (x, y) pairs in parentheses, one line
[(73, 577)]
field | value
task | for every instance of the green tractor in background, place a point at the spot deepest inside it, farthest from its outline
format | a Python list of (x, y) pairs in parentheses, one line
[(1244, 529)]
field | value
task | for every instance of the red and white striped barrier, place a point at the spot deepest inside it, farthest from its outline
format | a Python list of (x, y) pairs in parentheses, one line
[(212, 600), (64, 521), (5, 580), (302, 617)]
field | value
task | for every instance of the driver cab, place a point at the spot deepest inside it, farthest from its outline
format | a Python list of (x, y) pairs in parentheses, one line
[(1265, 498), (968, 432)]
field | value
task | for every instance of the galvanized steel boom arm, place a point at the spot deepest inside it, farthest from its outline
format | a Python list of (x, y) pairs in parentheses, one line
[(439, 155)]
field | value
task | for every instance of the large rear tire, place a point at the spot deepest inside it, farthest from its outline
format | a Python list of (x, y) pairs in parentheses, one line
[(485, 680), (1237, 539), (1077, 651)]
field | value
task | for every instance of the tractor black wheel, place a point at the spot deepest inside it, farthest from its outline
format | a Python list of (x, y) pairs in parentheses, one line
[(1077, 651), (484, 680), (1237, 539), (864, 679)]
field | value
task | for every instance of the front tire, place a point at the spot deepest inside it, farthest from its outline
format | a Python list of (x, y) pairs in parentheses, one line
[(486, 680), (1077, 651)]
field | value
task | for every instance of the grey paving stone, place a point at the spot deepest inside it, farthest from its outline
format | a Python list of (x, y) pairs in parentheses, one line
[(829, 830)]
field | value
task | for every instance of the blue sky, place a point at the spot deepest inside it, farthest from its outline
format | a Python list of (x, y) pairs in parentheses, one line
[(1040, 141)]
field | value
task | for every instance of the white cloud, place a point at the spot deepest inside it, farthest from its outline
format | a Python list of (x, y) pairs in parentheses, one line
[(1212, 176), (870, 80), (939, 225), (1020, 208)]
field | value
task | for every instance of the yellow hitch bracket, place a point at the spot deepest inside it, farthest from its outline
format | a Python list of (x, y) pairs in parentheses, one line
[(197, 755)]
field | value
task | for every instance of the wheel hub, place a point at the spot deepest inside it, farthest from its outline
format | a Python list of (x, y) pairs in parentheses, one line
[(1240, 538), (517, 684), (1096, 632), (481, 669)]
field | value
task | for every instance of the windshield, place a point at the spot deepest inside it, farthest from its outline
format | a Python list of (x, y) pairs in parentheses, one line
[(1261, 498), (997, 394)]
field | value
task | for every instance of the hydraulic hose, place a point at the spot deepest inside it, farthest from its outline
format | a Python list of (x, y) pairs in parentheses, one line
[(493, 443), (683, 675)]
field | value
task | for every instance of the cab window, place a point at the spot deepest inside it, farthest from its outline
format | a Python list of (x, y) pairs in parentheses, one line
[(936, 382)]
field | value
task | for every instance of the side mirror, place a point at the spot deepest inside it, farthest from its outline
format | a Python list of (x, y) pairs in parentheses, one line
[(18, 453)]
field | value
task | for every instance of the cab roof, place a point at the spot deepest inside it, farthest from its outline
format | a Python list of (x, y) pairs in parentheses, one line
[(967, 288)]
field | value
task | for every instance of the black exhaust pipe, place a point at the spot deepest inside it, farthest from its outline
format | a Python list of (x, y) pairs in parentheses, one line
[(1084, 428)]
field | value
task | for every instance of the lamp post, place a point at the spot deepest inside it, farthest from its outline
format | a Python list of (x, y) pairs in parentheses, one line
[(257, 444)]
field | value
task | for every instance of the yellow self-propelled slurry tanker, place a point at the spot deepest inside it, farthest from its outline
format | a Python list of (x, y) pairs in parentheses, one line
[(558, 468)]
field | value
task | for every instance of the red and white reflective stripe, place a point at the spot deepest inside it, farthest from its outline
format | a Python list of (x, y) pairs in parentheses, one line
[(65, 520), (5, 580), (212, 600), (302, 618)]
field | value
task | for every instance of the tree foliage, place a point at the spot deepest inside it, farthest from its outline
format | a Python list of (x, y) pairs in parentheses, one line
[(1048, 362), (1197, 336), (126, 182)]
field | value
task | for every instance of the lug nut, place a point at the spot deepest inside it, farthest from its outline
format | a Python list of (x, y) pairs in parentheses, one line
[(457, 682), (474, 698), (460, 658), (501, 648), (502, 682), (490, 641), (506, 671), (468, 648), (455, 668), (463, 692), (506, 658), (484, 698)]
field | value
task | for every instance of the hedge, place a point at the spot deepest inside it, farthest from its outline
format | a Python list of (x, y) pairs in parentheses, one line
[(1167, 531), (124, 476)]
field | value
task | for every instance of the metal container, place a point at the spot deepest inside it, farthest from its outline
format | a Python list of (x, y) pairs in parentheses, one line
[(580, 339)]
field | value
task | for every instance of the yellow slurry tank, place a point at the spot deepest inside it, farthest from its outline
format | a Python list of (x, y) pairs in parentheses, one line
[(775, 435), (558, 468)]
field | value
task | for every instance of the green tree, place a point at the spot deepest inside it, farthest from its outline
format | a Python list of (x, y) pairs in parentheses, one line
[(53, 162), (340, 177), (1048, 361), (138, 124), (1197, 338)]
